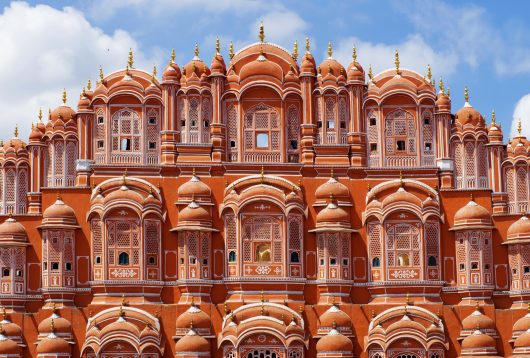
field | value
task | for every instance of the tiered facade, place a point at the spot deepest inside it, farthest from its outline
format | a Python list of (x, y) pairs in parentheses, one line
[(264, 207)]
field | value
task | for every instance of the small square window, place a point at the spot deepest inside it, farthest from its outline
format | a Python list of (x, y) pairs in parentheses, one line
[(98, 259), (232, 144), (193, 260), (294, 144), (526, 269), (262, 140), (205, 261), (462, 267), (6, 272), (152, 260), (125, 144), (331, 124), (345, 262), (343, 125), (55, 266), (183, 123), (100, 144), (19, 273), (428, 146), (426, 121), (321, 262), (100, 120), (332, 260), (474, 265), (373, 121), (152, 120), (514, 271), (152, 145), (206, 124), (487, 266), (182, 261), (45, 266), (68, 266), (373, 147), (400, 145), (319, 124)]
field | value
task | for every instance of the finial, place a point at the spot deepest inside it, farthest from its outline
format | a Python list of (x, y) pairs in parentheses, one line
[(89, 85), (40, 114), (193, 301), (477, 305), (52, 325), (396, 61), (16, 131), (466, 94), (429, 73), (225, 307), (172, 58), (472, 197), (493, 116), (262, 171), (153, 77), (401, 182), (334, 325), (331, 198), (196, 49), (130, 59), (261, 32), (83, 92), (354, 54), (519, 127), (370, 74), (373, 313), (54, 307), (528, 308), (406, 309), (408, 299), (442, 89), (4, 312), (101, 76), (330, 49), (295, 50), (231, 50), (334, 301), (64, 96), (301, 309), (122, 312), (262, 296), (217, 45), (58, 196), (449, 92)]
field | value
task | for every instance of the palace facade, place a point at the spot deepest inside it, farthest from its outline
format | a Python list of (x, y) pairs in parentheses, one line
[(264, 206)]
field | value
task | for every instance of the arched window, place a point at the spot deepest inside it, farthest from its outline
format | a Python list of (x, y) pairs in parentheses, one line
[(400, 139), (126, 137), (376, 262), (431, 261), (295, 258), (232, 256), (232, 125), (263, 253), (262, 353), (293, 134), (262, 135), (123, 259)]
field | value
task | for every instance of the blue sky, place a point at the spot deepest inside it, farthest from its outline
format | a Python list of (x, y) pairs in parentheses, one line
[(60, 44)]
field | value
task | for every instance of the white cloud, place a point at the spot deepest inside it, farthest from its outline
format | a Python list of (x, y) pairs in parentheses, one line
[(522, 111), (45, 50), (414, 54)]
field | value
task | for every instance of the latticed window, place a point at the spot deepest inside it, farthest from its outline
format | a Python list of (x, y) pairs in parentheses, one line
[(372, 126), (60, 162), (152, 144), (231, 121), (293, 134), (126, 131), (400, 139), (12, 263), (471, 164), (262, 353), (195, 121), (517, 188), (428, 139), (262, 135), (333, 255), (14, 189), (332, 119), (403, 245), (123, 246)]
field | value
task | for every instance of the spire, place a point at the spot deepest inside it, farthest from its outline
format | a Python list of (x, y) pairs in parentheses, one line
[(101, 76), (130, 58), (519, 127), (354, 54), (493, 116), (330, 49), (449, 92), (307, 44), (40, 114), (401, 184), (442, 89), (16, 131), (64, 95), (295, 50), (261, 32), (217, 45), (231, 50), (172, 58), (396, 61), (370, 74), (429, 73), (89, 85), (466, 94)]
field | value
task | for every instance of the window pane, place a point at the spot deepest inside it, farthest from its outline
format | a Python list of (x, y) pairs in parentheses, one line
[(262, 140)]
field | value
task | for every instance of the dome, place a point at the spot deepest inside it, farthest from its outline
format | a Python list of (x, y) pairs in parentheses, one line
[(8, 346), (62, 112), (120, 325), (127, 82), (523, 341), (334, 342), (331, 66), (332, 213), (335, 315), (522, 324), (191, 343), (12, 227), (53, 344), (84, 102), (355, 71), (124, 193), (308, 64), (59, 210), (218, 66), (332, 187), (443, 103), (478, 340), (35, 135), (194, 212), (468, 115), (14, 144), (477, 319), (519, 229), (195, 66), (196, 316), (401, 196), (60, 325), (472, 214), (11, 329), (261, 66), (194, 187), (291, 76)]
